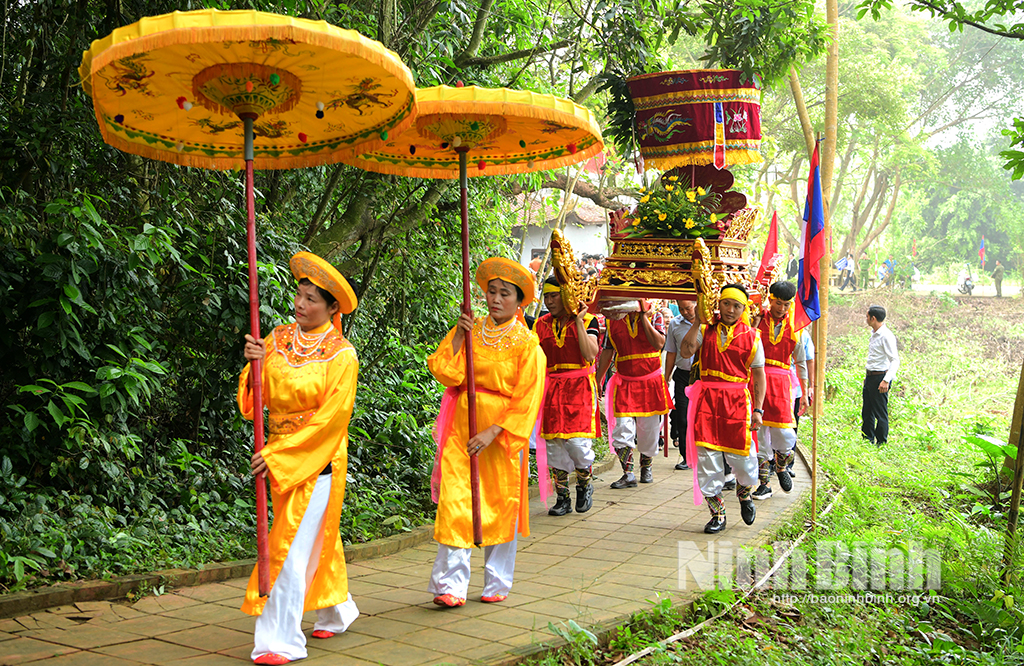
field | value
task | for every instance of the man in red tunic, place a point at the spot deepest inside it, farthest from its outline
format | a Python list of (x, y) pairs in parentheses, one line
[(722, 409), (569, 413), (778, 430), (637, 394)]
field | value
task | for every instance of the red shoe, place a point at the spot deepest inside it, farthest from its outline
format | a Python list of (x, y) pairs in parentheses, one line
[(271, 658), (449, 600), (495, 599), (322, 633)]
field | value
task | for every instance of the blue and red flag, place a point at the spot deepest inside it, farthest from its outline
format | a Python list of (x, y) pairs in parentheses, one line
[(812, 248), (981, 253)]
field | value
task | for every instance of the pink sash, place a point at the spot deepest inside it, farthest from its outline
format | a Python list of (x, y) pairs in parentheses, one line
[(609, 397), (693, 393), (442, 428)]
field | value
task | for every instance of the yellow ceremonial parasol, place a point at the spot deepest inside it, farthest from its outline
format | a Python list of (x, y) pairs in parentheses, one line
[(500, 131), (227, 89)]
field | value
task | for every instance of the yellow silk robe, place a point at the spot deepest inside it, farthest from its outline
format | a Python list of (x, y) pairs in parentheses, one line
[(513, 368), (310, 402)]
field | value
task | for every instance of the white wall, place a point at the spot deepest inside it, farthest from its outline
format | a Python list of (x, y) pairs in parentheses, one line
[(584, 240)]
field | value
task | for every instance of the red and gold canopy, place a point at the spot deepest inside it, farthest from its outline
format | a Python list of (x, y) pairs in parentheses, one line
[(173, 87), (507, 131)]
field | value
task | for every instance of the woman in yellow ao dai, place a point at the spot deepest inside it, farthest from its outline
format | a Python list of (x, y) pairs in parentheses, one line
[(309, 381), (509, 372)]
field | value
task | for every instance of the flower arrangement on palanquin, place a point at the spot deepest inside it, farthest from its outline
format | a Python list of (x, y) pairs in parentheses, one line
[(648, 262)]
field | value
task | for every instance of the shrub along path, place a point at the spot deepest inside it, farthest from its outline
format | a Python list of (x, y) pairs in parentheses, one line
[(596, 568)]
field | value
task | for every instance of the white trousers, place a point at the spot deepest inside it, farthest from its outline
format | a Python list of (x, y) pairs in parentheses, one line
[(774, 439), (279, 628), (711, 469), (450, 574), (570, 454), (643, 429)]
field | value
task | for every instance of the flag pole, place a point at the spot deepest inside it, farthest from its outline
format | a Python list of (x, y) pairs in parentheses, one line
[(821, 355)]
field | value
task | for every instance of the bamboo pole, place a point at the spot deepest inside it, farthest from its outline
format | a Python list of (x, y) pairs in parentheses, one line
[(821, 349)]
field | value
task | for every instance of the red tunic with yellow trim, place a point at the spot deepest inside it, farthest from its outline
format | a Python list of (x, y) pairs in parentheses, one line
[(635, 357), (722, 420), (778, 352), (570, 402)]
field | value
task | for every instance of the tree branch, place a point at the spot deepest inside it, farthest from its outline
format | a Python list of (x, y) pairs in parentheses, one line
[(513, 55), (602, 197), (478, 33)]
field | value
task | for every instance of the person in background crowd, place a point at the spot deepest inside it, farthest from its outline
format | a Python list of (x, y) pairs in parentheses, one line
[(997, 278), (847, 276), (882, 363), (677, 369), (865, 270)]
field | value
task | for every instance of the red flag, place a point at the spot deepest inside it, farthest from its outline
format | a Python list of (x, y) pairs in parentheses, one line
[(915, 247), (771, 250), (981, 253)]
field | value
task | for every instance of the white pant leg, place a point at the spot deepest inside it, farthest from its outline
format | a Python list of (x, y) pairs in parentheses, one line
[(558, 456), (744, 467), (782, 439), (710, 471), (450, 574), (625, 432), (279, 627), (338, 618), (647, 430), (581, 451), (764, 443), (499, 567)]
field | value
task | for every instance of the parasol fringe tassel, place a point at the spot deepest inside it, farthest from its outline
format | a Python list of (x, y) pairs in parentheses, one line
[(732, 158)]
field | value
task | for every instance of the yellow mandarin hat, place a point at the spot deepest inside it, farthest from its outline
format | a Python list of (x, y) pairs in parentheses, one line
[(509, 271), (322, 274)]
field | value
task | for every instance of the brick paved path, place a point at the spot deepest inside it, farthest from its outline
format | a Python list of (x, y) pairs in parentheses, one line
[(592, 568)]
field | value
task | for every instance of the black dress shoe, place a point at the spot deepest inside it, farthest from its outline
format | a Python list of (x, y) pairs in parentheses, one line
[(562, 506), (730, 485), (715, 525), (627, 481), (646, 475), (682, 465), (748, 511), (785, 480), (584, 498)]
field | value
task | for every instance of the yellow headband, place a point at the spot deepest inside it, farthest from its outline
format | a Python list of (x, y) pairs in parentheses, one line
[(550, 289), (735, 294), (775, 298)]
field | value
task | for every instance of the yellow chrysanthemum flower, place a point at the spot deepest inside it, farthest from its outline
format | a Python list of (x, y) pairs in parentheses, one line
[(691, 196), (661, 218), (700, 191), (714, 218), (669, 188), (690, 224), (645, 198), (636, 222), (673, 178)]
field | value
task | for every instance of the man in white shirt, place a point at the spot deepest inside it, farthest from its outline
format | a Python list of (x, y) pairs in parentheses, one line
[(882, 363)]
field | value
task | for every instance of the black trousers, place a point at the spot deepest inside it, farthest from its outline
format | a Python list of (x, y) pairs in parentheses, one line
[(875, 411), (677, 420)]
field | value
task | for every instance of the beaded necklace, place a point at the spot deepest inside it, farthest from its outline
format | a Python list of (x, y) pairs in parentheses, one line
[(492, 336), (309, 342)]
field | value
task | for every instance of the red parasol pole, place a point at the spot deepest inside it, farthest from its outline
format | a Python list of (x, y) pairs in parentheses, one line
[(474, 466), (256, 371)]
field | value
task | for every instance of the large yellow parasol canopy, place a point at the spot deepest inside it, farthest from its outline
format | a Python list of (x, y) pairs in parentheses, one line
[(174, 87), (507, 131)]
